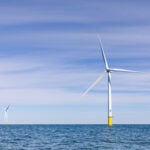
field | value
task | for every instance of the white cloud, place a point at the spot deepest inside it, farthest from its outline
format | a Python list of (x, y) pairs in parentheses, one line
[(81, 12), (61, 76)]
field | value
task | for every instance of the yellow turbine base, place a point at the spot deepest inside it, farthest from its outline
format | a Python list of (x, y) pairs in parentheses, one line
[(109, 121)]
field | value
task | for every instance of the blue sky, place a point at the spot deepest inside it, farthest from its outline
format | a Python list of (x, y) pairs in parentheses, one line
[(50, 54)]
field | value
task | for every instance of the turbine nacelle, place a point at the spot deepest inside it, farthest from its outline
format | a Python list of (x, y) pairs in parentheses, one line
[(108, 70)]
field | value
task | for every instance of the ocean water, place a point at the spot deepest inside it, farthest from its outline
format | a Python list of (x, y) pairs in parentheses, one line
[(74, 137)]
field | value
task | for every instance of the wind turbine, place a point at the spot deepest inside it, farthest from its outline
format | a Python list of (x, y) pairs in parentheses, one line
[(107, 71), (6, 114)]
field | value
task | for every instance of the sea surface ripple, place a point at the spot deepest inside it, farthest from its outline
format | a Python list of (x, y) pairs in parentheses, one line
[(74, 137)]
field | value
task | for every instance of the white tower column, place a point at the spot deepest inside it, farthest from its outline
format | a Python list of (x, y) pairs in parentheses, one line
[(109, 101), (6, 117)]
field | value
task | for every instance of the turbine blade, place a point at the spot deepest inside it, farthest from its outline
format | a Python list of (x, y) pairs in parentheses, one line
[(7, 107), (123, 70), (94, 83), (103, 53)]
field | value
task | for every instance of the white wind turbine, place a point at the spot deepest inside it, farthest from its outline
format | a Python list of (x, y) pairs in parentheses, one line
[(107, 71), (6, 114)]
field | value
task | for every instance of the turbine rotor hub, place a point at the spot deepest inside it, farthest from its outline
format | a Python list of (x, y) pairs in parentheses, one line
[(108, 70)]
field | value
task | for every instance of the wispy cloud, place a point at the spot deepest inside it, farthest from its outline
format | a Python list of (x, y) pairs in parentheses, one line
[(50, 53)]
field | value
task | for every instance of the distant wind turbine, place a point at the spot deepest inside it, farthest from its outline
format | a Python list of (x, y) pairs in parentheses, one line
[(6, 114), (107, 71)]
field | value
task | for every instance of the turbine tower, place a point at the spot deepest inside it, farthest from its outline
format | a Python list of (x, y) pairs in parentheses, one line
[(107, 71), (6, 114)]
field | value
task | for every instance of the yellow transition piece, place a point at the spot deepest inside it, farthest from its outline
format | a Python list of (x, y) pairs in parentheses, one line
[(109, 121)]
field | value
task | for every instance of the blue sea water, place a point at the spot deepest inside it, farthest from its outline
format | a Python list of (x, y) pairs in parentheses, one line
[(74, 137)]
